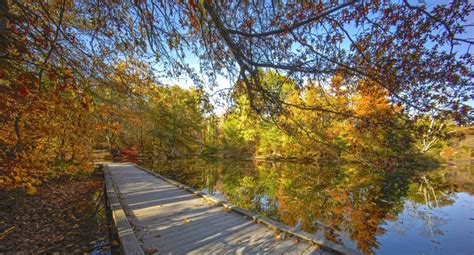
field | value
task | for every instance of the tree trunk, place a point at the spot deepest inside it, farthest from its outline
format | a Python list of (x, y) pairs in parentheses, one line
[(4, 17)]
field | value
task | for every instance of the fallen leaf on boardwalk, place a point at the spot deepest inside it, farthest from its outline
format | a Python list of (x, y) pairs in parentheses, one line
[(150, 250), (279, 235), (186, 220)]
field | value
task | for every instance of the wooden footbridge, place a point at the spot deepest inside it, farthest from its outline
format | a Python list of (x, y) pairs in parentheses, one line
[(156, 215)]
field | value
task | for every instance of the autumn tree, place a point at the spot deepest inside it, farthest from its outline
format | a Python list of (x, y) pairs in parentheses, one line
[(58, 66), (58, 56), (417, 53)]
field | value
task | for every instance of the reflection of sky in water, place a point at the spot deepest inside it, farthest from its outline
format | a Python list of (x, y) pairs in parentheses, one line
[(214, 193), (419, 229), (451, 230), (262, 200), (397, 200)]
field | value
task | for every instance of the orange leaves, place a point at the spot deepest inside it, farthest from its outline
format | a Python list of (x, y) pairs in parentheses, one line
[(138, 2), (193, 14), (192, 4), (372, 101), (247, 24), (87, 103), (23, 91), (68, 73), (15, 178), (43, 133), (41, 40), (337, 80), (23, 81), (70, 169)]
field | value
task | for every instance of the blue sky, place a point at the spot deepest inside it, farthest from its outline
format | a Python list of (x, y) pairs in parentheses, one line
[(223, 82)]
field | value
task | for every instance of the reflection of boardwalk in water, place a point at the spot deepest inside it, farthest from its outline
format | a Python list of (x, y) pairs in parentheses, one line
[(164, 217)]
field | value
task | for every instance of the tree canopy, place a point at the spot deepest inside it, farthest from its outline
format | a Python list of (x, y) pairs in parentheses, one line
[(78, 74)]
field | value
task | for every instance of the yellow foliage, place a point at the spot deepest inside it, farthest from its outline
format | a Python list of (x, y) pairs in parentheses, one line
[(70, 169)]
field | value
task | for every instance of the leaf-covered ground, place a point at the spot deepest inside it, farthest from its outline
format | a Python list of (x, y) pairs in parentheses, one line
[(65, 215)]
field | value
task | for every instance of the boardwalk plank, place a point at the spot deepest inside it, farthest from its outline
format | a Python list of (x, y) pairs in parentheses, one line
[(167, 210), (162, 229), (194, 227), (298, 248), (250, 241), (281, 246), (202, 232), (231, 242), (159, 222), (213, 236), (265, 244)]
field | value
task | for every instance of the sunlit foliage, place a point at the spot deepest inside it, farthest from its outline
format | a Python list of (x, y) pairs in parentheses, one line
[(311, 79)]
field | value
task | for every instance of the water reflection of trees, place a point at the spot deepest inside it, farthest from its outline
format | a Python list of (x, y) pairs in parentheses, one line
[(330, 199)]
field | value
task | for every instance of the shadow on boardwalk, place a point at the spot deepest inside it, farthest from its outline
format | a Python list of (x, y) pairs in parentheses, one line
[(168, 219)]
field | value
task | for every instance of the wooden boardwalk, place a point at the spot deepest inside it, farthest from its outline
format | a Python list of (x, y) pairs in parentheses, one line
[(155, 215)]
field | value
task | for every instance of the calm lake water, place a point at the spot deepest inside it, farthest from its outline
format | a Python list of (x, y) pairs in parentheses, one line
[(402, 211)]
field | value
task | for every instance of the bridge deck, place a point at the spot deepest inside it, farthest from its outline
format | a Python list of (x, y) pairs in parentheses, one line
[(168, 219)]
